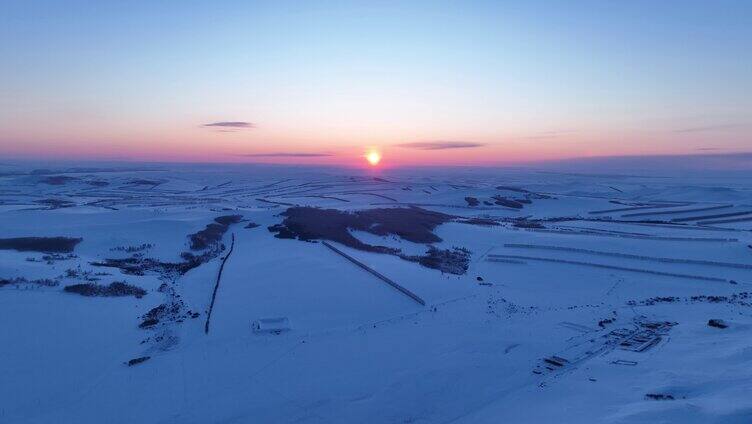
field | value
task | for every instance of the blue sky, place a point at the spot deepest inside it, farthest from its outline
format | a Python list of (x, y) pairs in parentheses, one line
[(523, 80)]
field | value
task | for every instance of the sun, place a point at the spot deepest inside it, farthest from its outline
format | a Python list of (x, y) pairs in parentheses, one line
[(373, 157)]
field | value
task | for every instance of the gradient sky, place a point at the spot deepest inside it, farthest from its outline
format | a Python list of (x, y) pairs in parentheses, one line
[(434, 82)]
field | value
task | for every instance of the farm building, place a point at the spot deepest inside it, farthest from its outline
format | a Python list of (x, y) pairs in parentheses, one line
[(271, 325)]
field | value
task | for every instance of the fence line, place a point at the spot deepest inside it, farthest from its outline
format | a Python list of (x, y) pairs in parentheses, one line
[(383, 278), (216, 285)]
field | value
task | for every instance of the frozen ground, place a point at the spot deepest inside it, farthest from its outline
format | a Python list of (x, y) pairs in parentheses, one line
[(586, 299)]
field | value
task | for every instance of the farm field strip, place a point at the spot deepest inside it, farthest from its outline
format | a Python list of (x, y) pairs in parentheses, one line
[(664, 225), (628, 256), (677, 212), (494, 258), (635, 236), (710, 217), (635, 208), (724, 221)]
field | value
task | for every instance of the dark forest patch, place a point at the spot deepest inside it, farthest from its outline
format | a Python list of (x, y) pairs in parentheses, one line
[(510, 203), (132, 249), (51, 258), (659, 396), (208, 236), (19, 281), (115, 289), (207, 240), (139, 265), (228, 219), (454, 261), (412, 224), (524, 223), (741, 298), (159, 314), (213, 232), (139, 360), (472, 201), (486, 222), (717, 323), (40, 244)]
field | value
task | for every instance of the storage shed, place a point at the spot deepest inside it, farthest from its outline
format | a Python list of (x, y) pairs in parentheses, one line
[(271, 325)]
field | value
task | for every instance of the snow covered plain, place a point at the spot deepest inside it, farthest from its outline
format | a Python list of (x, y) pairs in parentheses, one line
[(586, 299)]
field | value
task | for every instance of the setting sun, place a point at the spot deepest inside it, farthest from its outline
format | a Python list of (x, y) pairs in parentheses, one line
[(373, 157)]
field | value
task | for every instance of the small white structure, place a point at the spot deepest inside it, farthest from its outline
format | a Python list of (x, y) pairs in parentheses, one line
[(271, 325)]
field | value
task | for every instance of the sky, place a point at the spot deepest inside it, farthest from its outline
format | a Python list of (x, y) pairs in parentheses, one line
[(421, 83)]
